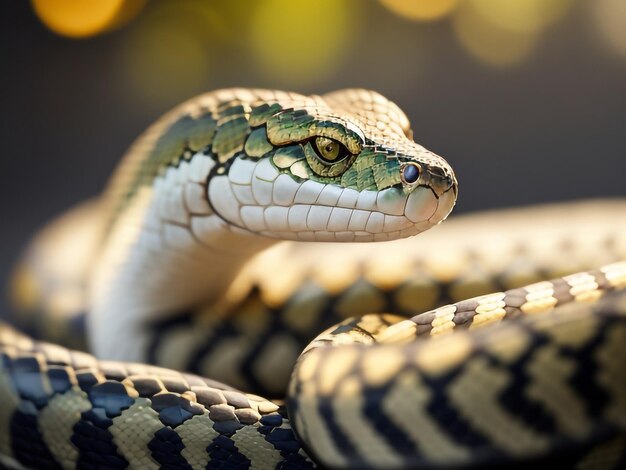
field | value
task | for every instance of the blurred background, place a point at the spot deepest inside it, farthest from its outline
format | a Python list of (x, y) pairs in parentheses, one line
[(525, 98)]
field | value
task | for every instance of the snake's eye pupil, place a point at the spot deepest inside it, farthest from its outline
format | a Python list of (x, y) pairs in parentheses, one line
[(410, 173), (329, 150)]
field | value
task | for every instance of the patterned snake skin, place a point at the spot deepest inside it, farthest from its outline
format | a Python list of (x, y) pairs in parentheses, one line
[(198, 258)]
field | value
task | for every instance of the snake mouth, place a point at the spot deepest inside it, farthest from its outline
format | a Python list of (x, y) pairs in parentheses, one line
[(277, 206), (373, 216)]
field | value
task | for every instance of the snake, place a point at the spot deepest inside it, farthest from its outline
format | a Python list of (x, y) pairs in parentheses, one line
[(217, 308)]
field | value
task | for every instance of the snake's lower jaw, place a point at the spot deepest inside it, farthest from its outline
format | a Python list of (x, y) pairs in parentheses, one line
[(385, 215)]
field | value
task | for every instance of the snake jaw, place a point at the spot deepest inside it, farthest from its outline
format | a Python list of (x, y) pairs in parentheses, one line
[(257, 197)]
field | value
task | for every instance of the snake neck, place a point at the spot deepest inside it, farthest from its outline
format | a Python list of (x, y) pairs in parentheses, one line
[(160, 260)]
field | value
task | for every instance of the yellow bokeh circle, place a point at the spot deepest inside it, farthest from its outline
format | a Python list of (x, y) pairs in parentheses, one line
[(524, 16), (491, 43), (610, 19), (421, 10), (167, 55), (84, 18), (297, 43)]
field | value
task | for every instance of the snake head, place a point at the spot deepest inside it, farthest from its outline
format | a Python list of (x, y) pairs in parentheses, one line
[(341, 167)]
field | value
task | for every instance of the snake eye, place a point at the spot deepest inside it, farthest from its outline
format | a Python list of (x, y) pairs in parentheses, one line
[(410, 173), (329, 150)]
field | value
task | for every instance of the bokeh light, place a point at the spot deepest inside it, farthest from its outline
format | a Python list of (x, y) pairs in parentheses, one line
[(610, 19), (80, 18), (421, 10), (298, 43), (165, 58), (488, 42), (524, 16)]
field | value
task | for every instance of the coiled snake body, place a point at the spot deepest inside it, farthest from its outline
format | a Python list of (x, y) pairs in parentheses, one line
[(179, 264)]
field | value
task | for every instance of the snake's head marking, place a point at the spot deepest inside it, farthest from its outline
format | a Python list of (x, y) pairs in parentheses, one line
[(342, 167)]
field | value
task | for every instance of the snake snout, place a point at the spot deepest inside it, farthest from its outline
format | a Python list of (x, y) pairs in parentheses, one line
[(432, 198), (434, 174), (441, 181)]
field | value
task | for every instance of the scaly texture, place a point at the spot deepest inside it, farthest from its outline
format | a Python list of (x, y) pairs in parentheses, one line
[(181, 263)]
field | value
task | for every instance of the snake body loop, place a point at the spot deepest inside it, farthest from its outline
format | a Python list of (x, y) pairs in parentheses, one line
[(198, 258)]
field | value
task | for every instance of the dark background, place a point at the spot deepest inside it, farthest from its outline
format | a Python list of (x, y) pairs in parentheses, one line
[(528, 107)]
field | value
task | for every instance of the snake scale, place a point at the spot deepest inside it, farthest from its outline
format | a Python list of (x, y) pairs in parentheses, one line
[(450, 349)]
